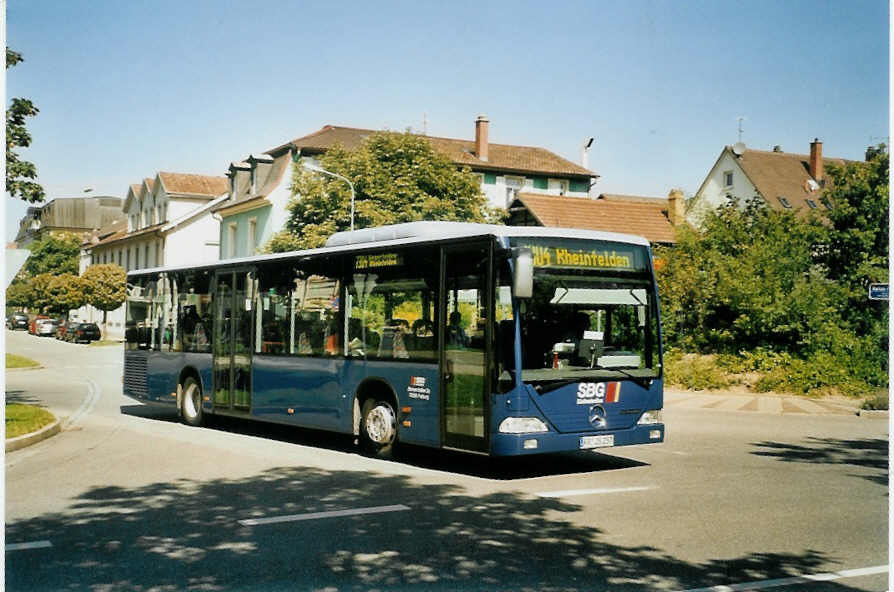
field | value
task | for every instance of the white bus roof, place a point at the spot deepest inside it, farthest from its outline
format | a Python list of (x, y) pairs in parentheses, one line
[(415, 232), (447, 230)]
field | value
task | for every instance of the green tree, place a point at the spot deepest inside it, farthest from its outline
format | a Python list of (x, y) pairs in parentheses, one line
[(105, 287), (68, 291), (747, 279), (54, 253), (20, 174), (40, 296), (856, 253), (18, 294), (397, 178)]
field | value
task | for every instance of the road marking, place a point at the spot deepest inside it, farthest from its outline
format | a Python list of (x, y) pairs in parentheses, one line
[(319, 515), (32, 545), (575, 492), (821, 577), (93, 394)]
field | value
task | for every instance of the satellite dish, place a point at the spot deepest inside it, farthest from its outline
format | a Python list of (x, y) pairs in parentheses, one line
[(739, 148)]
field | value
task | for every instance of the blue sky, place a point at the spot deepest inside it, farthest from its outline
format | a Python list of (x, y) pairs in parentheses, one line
[(127, 89)]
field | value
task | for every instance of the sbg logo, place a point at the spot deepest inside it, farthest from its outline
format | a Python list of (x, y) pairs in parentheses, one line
[(589, 393)]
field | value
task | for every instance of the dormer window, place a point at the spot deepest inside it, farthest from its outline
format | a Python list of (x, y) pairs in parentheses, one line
[(811, 204), (785, 202), (825, 201)]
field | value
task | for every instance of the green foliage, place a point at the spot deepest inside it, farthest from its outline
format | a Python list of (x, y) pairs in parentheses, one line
[(876, 403), (20, 174), (68, 291), (693, 371), (784, 296), (105, 286), (746, 280), (18, 294), (55, 254), (397, 178), (856, 253)]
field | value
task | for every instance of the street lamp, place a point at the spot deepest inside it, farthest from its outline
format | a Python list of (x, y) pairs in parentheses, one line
[(312, 167)]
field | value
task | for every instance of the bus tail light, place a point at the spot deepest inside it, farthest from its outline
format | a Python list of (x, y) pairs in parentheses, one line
[(522, 425), (650, 417)]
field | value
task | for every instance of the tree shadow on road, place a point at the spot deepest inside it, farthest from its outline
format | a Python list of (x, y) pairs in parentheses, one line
[(868, 453), (186, 535), (22, 397)]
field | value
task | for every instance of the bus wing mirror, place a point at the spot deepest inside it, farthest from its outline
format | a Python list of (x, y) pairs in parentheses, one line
[(523, 277)]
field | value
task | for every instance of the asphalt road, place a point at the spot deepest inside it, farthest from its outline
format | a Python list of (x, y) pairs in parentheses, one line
[(126, 498)]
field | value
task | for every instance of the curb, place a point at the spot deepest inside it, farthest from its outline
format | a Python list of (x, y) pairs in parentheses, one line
[(41, 367), (872, 414), (40, 435)]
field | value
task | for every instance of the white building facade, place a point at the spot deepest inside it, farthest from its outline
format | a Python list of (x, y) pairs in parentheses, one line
[(167, 221)]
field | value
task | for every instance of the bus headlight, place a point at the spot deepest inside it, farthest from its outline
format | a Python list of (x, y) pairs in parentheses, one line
[(650, 417), (522, 425)]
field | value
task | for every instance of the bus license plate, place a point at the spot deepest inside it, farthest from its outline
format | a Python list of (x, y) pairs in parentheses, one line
[(597, 441)]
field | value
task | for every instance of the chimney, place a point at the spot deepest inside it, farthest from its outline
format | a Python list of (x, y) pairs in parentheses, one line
[(676, 207), (481, 128), (816, 160)]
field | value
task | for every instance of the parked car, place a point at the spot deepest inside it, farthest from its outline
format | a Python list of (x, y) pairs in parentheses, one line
[(17, 320), (63, 328), (47, 327), (84, 332), (68, 330), (32, 327)]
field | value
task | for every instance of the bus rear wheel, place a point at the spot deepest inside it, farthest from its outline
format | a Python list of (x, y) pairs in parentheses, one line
[(378, 428), (191, 402)]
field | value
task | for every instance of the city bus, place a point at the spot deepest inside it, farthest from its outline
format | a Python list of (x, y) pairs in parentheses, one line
[(487, 339)]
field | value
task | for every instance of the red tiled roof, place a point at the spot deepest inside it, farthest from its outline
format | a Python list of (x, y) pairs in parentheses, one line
[(522, 159), (781, 174), (194, 184), (626, 214)]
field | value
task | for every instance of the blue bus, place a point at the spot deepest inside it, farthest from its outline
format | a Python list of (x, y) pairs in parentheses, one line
[(487, 339)]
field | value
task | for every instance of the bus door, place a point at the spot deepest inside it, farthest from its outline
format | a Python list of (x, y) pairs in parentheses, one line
[(464, 352), (232, 341)]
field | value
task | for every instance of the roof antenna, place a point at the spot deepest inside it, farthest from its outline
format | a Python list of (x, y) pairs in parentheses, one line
[(424, 124), (741, 118)]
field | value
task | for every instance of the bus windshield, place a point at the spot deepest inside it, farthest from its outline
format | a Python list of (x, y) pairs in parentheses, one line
[(581, 325)]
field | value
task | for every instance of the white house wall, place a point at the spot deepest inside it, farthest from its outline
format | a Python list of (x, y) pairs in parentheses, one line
[(715, 192), (178, 208), (192, 243), (497, 197)]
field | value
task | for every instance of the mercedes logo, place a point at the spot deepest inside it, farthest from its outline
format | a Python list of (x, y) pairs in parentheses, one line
[(597, 415)]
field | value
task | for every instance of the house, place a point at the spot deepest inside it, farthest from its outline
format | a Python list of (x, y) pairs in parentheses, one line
[(785, 181), (649, 217), (166, 220), (259, 185), (77, 215)]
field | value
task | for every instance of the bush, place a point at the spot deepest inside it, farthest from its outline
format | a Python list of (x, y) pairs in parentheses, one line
[(876, 403), (693, 371)]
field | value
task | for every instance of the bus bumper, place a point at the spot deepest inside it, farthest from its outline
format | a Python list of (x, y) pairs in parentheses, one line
[(546, 442)]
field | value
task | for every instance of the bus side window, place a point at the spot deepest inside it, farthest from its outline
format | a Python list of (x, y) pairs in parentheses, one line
[(315, 329)]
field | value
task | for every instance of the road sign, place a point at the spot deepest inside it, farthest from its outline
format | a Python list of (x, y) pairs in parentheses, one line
[(878, 291)]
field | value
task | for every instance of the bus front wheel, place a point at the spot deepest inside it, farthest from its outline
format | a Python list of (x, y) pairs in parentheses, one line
[(191, 402), (378, 427)]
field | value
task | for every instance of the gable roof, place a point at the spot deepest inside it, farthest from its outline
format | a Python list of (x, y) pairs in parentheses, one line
[(190, 184), (642, 216), (501, 157), (782, 174)]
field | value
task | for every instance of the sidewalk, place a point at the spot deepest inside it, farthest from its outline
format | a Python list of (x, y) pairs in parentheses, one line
[(761, 403)]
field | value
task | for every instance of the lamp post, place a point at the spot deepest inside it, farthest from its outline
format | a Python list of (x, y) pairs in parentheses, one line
[(312, 167)]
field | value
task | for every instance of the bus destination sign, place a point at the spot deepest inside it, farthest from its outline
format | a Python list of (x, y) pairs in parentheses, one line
[(584, 255), (378, 260)]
